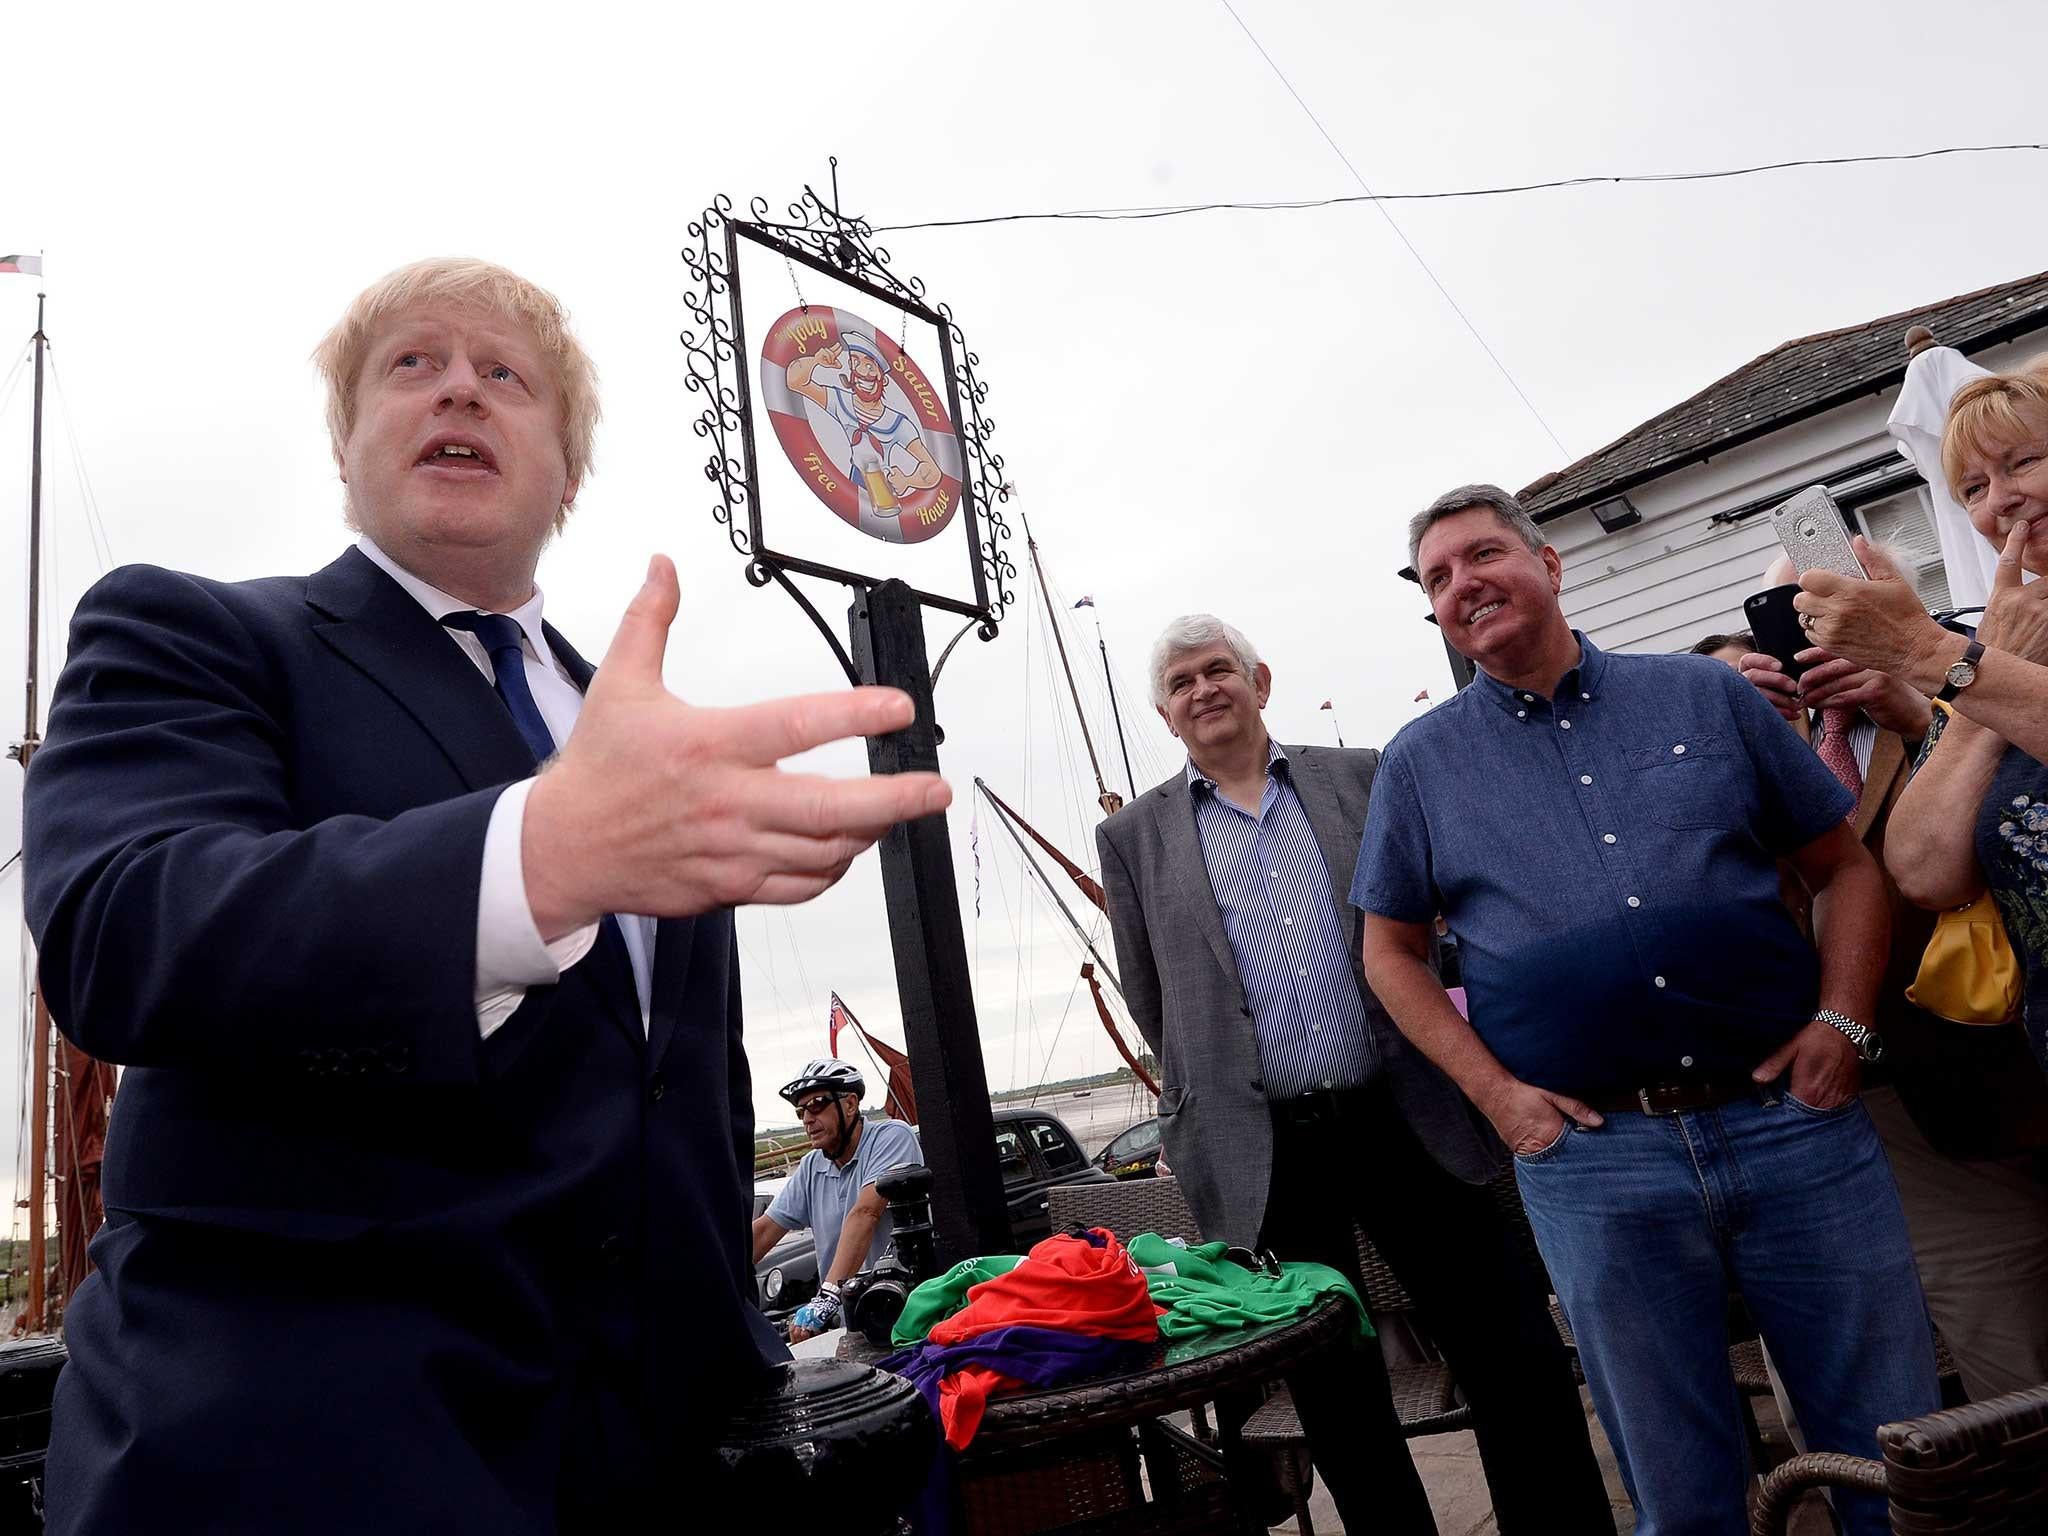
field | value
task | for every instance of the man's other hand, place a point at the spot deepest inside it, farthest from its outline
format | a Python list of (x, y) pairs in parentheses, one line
[(1773, 682), (658, 807), (818, 1315), (1835, 682), (1826, 1071), (1528, 1118)]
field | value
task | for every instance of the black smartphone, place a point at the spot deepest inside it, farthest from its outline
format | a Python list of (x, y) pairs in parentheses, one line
[(1775, 623)]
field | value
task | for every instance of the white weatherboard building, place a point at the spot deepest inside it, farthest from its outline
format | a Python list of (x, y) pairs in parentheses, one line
[(1667, 529)]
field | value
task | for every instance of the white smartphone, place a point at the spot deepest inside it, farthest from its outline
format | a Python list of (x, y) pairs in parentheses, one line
[(1810, 527)]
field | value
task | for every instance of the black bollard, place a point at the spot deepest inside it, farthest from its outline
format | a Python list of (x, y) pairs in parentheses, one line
[(830, 1435)]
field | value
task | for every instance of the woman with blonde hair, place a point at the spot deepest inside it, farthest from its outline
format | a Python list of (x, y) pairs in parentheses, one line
[(1975, 816)]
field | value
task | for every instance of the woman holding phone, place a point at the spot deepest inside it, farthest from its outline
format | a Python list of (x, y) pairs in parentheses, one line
[(1976, 813), (1968, 1112)]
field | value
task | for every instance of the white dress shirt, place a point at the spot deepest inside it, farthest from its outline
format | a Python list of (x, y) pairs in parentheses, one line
[(510, 955)]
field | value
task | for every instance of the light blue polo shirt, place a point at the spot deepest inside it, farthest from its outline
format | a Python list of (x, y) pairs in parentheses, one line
[(820, 1193)]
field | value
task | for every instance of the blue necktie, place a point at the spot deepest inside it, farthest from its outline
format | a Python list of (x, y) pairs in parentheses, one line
[(504, 640)]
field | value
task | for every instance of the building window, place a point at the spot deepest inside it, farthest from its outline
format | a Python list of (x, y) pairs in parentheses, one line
[(1904, 521)]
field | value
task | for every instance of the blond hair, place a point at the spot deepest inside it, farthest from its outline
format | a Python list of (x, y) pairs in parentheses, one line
[(463, 280), (1992, 413)]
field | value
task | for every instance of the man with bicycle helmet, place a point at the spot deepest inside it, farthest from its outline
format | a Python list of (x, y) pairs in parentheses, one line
[(833, 1189)]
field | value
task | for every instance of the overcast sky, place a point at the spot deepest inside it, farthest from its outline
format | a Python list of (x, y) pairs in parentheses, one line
[(1234, 411)]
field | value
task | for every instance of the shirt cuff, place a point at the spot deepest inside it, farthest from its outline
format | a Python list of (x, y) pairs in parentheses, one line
[(510, 956)]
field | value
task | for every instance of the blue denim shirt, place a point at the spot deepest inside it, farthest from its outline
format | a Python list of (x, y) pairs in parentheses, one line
[(1606, 858)]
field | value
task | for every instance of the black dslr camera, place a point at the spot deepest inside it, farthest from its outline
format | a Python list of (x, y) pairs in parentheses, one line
[(874, 1298)]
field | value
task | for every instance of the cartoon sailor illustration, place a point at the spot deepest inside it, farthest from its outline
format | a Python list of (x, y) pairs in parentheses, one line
[(885, 441)]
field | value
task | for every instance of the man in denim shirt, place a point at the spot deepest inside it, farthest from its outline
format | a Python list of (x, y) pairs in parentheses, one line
[(1672, 1065)]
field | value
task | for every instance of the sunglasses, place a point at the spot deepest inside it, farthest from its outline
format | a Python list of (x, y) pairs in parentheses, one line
[(812, 1108)]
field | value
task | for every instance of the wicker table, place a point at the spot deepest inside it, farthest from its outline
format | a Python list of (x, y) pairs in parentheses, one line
[(1067, 1458), (1180, 1375)]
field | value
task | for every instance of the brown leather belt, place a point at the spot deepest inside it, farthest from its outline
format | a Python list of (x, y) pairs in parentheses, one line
[(1677, 1096)]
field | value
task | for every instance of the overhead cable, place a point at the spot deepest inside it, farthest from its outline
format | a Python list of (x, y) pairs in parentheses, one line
[(1290, 205), (1399, 233)]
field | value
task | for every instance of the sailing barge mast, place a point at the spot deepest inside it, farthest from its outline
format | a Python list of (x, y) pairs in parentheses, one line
[(1110, 801), (85, 1086)]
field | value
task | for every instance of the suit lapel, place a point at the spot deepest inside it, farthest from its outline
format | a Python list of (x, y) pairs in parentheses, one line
[(580, 671), (1887, 762), (1318, 798), (373, 623), (674, 942), (1191, 871)]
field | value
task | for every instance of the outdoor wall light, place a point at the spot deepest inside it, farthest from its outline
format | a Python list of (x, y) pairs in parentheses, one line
[(1616, 514)]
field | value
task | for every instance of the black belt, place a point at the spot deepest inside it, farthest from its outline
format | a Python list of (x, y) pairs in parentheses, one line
[(1677, 1095), (1320, 1106)]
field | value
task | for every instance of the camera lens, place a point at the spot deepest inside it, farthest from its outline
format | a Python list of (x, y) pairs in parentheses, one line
[(874, 1311)]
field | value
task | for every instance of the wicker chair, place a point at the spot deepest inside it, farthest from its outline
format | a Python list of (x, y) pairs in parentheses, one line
[(1127, 1208), (1968, 1471)]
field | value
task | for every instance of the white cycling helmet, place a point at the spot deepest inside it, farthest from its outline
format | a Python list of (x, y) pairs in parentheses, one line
[(825, 1072)]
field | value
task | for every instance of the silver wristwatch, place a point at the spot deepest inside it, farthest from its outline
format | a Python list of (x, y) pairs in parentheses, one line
[(1869, 1044)]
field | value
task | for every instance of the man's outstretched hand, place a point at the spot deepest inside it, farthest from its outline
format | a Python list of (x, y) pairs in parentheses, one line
[(662, 808)]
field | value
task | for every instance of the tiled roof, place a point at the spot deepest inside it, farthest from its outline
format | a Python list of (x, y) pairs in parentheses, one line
[(1789, 383)]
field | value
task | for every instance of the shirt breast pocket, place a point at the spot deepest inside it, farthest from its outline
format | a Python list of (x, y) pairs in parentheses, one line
[(1692, 781)]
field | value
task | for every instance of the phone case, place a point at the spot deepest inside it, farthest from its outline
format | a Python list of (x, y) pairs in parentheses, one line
[(1810, 527), (1775, 624)]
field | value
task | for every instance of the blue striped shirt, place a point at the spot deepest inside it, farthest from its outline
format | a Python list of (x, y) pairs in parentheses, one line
[(1273, 891)]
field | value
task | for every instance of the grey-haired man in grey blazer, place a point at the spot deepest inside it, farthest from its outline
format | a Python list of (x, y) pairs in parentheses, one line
[(1294, 1110)]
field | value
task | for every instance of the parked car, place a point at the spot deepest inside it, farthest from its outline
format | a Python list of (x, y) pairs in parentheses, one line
[(1034, 1151), (1133, 1153)]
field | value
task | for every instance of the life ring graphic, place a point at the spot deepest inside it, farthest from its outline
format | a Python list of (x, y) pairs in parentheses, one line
[(862, 424)]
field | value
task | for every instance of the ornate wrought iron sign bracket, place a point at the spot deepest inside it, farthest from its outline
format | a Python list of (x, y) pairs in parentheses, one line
[(895, 478)]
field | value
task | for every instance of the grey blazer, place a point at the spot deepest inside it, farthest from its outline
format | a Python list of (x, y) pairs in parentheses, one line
[(1181, 982)]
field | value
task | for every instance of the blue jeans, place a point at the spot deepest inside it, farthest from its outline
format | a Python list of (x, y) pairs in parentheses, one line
[(1649, 1221)]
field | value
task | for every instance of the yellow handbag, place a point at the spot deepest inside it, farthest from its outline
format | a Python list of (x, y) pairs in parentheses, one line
[(1969, 973)]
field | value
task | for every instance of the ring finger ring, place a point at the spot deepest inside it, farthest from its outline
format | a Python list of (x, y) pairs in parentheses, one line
[(1806, 622)]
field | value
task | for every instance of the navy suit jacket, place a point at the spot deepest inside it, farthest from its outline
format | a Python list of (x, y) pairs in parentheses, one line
[(363, 1270)]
